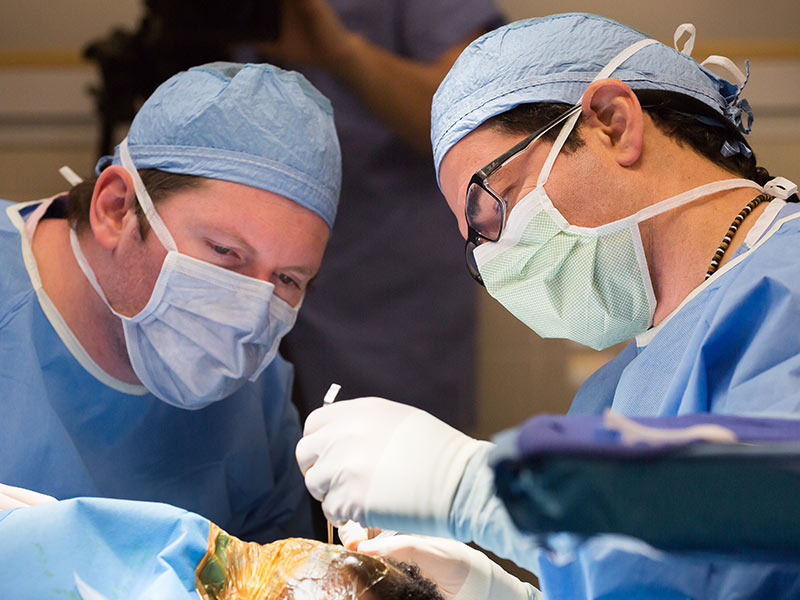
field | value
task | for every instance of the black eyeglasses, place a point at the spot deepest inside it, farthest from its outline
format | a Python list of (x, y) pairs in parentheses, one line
[(484, 207)]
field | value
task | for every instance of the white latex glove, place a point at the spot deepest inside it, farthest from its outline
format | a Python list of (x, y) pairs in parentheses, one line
[(14, 497), (460, 572), (383, 464)]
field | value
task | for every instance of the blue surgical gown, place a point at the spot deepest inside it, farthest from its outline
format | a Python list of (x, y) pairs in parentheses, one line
[(72, 430), (733, 347)]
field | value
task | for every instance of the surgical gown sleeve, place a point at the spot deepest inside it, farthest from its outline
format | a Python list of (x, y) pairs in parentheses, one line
[(478, 515)]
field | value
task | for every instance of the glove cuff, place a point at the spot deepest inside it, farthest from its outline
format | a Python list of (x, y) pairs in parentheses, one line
[(417, 476), (488, 580)]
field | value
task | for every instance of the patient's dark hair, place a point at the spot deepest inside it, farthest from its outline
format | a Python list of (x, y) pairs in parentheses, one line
[(686, 120), (160, 185), (412, 587)]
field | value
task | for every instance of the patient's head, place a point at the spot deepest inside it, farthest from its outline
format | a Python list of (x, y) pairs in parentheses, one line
[(300, 569), (402, 581)]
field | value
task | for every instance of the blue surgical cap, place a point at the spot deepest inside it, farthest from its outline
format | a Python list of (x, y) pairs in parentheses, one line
[(253, 124), (554, 59)]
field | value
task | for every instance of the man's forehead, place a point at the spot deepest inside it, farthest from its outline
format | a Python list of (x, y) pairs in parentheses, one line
[(230, 200), (471, 153)]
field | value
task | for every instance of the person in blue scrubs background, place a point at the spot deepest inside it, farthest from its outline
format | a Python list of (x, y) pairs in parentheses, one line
[(606, 192), (392, 312), (141, 312)]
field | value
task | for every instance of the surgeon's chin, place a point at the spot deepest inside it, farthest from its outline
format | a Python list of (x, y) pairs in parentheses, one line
[(192, 401)]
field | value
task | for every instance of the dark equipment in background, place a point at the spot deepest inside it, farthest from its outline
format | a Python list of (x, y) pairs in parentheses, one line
[(172, 36)]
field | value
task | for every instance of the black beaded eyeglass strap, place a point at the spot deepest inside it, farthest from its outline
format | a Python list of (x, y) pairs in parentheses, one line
[(726, 241)]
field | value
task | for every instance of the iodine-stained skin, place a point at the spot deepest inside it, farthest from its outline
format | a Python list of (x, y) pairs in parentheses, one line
[(290, 569)]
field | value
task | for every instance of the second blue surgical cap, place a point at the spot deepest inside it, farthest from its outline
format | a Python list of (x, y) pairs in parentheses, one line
[(554, 59), (253, 124)]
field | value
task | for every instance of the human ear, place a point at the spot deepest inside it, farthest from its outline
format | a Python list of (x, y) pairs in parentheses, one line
[(113, 205), (612, 111)]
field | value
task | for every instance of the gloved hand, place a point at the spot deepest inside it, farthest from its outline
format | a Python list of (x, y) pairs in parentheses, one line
[(383, 464), (14, 497), (460, 572), (352, 534)]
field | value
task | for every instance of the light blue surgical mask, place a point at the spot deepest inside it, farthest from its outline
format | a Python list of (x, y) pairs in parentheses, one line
[(587, 284), (205, 330)]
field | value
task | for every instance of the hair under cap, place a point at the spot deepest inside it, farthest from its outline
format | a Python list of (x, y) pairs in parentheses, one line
[(253, 124), (554, 59)]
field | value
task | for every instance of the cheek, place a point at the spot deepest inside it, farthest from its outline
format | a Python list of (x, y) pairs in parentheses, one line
[(291, 295), (137, 280)]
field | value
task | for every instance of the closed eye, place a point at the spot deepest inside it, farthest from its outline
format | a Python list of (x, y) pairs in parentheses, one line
[(225, 256), (221, 249), (288, 280)]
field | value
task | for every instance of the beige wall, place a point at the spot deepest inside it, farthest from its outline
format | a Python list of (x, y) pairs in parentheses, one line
[(729, 20), (46, 120), (63, 24)]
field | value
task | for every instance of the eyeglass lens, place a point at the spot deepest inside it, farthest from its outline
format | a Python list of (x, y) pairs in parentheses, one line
[(484, 212)]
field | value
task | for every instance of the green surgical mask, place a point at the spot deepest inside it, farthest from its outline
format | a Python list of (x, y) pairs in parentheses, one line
[(587, 284)]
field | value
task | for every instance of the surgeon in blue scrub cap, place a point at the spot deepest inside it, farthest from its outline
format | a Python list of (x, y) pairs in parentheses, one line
[(141, 312), (606, 192)]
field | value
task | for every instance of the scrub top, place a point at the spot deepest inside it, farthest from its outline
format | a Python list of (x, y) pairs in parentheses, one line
[(73, 430), (732, 347), (392, 312)]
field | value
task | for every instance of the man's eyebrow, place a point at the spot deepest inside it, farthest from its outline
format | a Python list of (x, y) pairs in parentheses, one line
[(307, 271), (233, 236)]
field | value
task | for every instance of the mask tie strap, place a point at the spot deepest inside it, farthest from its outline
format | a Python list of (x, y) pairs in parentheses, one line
[(683, 198), (143, 197), (87, 270), (556, 149), (605, 72)]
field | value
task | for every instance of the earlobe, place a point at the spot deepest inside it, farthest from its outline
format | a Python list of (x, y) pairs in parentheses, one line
[(613, 111), (113, 205)]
